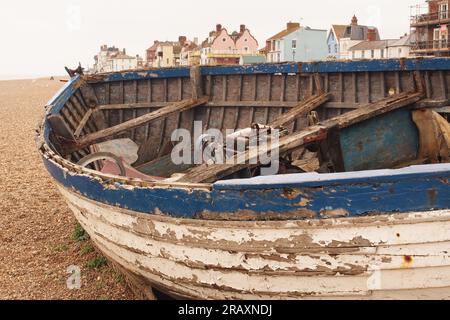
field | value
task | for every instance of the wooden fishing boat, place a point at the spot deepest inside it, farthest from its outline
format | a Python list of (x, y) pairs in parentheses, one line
[(360, 208)]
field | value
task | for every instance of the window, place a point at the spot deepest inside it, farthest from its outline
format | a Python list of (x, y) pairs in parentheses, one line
[(329, 48), (353, 55), (336, 48), (372, 54), (399, 51), (363, 55), (294, 44), (443, 10), (382, 53), (224, 39)]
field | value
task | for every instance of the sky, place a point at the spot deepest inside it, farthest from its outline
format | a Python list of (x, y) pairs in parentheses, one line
[(39, 38)]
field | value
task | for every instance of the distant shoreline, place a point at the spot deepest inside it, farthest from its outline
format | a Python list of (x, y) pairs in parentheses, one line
[(18, 78)]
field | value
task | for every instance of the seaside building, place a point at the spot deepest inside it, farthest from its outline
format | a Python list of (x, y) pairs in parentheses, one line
[(223, 48), (164, 54), (383, 49), (150, 56), (377, 49), (297, 43), (190, 53), (402, 47), (112, 59), (343, 37), (431, 23), (167, 54)]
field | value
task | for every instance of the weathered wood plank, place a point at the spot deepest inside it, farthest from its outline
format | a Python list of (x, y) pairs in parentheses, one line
[(196, 83), (135, 123), (302, 109), (83, 123)]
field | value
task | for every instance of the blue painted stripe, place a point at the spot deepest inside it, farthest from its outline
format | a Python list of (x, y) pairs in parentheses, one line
[(287, 68), (378, 65), (148, 74), (412, 189), (265, 68)]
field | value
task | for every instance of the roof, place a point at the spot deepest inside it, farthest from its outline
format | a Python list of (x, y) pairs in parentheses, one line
[(359, 32), (339, 30), (154, 46), (403, 41), (372, 45), (253, 59), (283, 33)]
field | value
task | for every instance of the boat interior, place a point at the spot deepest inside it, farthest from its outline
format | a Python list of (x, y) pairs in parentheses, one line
[(123, 124)]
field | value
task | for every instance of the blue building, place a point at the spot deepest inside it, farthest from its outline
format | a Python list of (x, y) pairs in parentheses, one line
[(297, 43), (343, 37)]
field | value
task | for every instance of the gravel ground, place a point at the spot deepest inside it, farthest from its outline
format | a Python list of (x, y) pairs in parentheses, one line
[(37, 242)]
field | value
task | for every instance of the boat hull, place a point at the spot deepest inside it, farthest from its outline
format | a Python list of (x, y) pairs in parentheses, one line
[(396, 256)]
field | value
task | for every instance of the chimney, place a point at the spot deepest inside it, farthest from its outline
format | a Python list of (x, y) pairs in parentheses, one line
[(218, 27), (293, 25), (354, 20), (242, 29), (124, 51), (182, 40), (371, 35)]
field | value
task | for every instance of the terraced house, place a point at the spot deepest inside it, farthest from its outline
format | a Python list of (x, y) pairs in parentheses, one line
[(297, 43), (223, 48)]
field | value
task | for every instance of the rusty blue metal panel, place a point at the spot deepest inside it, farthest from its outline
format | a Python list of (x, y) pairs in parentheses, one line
[(381, 142)]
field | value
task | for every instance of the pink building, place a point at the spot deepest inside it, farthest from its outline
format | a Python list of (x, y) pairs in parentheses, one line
[(223, 48)]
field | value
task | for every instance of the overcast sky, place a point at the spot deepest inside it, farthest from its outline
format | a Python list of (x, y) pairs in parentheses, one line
[(38, 38)]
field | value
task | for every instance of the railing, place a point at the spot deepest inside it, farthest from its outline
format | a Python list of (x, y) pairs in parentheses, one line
[(433, 45), (435, 17)]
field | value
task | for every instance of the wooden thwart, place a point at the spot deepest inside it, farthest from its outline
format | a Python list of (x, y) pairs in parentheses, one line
[(83, 123), (300, 110), (137, 122), (212, 173)]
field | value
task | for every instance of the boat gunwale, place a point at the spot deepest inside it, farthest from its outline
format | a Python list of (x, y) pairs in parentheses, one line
[(391, 219)]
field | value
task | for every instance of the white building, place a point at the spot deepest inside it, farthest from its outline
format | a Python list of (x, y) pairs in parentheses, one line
[(401, 48), (370, 50), (382, 49), (342, 38), (112, 59)]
